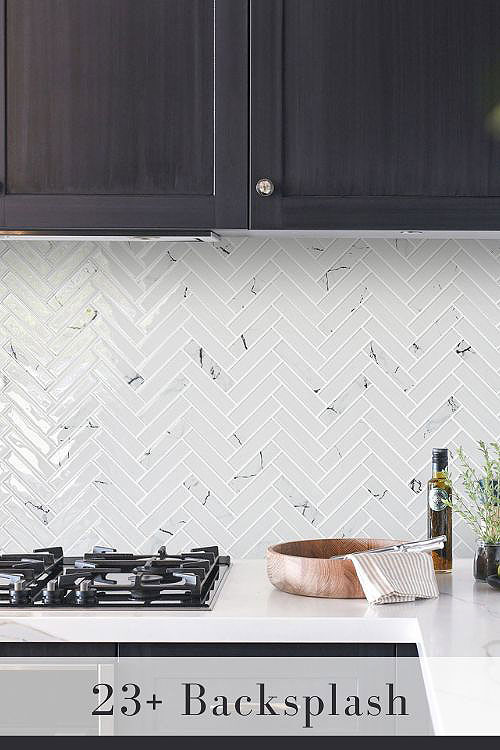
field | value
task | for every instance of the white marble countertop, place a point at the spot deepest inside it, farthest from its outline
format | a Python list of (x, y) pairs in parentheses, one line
[(464, 621), (460, 628)]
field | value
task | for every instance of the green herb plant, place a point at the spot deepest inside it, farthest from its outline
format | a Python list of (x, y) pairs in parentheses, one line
[(480, 504)]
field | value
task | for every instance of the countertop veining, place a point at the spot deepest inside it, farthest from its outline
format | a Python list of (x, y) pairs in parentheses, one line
[(464, 621), (458, 634)]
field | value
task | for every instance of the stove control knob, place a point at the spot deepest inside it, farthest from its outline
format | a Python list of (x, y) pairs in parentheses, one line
[(19, 595), (86, 594), (52, 594)]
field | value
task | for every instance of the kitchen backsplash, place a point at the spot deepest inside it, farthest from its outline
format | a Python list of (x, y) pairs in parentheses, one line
[(245, 393)]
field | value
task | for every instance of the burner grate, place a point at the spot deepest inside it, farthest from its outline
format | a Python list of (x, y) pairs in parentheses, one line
[(107, 578)]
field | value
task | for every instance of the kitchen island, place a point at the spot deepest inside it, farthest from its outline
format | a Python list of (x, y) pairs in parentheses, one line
[(457, 635)]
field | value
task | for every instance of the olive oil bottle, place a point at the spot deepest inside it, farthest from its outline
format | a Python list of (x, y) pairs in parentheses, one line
[(438, 513)]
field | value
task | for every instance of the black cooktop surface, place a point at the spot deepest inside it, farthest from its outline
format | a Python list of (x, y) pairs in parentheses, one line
[(105, 578)]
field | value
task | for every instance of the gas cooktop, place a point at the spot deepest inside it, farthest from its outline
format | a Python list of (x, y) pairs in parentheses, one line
[(105, 578)]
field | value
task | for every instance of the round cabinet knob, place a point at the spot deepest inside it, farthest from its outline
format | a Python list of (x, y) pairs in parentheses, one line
[(265, 186)]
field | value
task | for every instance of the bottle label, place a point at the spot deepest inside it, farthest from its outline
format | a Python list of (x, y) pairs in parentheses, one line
[(437, 499)]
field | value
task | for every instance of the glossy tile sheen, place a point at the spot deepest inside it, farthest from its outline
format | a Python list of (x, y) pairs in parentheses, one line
[(241, 394)]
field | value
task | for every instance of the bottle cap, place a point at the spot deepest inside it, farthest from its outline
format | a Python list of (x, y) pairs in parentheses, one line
[(440, 457), (440, 452)]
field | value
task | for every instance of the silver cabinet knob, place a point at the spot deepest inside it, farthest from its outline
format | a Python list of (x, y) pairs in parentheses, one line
[(265, 186)]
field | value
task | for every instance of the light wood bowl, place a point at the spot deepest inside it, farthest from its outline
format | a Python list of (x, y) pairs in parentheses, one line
[(304, 568)]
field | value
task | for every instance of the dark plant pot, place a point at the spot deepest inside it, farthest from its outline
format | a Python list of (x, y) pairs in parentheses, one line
[(486, 560)]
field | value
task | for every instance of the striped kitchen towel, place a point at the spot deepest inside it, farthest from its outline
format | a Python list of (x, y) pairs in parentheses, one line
[(388, 577)]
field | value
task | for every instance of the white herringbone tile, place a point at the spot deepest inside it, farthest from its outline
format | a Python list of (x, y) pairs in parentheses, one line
[(239, 394)]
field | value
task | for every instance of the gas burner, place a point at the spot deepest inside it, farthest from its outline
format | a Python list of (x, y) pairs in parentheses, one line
[(107, 578)]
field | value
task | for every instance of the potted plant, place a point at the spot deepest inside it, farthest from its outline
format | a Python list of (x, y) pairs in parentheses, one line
[(479, 506)]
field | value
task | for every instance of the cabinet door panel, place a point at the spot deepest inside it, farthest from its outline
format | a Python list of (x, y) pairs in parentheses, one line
[(124, 100), (110, 96), (376, 113)]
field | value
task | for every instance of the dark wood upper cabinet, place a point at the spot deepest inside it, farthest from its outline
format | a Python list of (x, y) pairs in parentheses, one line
[(376, 114), (364, 114), (125, 113)]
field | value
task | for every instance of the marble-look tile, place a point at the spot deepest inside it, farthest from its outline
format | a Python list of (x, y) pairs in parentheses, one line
[(253, 391)]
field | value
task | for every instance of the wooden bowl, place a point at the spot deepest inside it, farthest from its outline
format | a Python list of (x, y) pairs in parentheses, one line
[(304, 568)]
